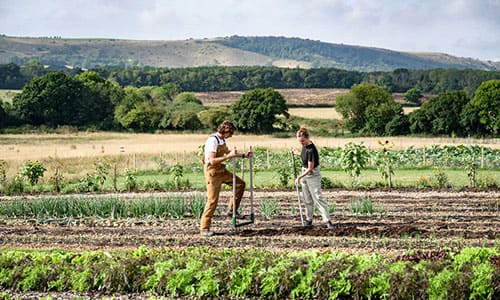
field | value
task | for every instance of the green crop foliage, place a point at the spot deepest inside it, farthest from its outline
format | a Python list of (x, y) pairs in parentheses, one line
[(32, 171), (200, 273), (105, 207), (386, 161), (354, 158), (362, 206), (269, 208)]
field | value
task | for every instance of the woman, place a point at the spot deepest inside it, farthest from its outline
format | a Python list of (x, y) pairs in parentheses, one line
[(216, 152), (311, 179)]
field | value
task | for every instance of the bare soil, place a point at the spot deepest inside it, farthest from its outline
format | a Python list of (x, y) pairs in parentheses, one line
[(401, 221)]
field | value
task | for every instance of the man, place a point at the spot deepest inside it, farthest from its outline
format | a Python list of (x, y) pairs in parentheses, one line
[(216, 152)]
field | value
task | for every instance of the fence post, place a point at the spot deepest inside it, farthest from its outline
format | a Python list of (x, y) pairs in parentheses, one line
[(424, 158), (267, 158), (114, 178), (482, 156)]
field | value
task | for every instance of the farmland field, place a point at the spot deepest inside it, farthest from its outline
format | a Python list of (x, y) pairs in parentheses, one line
[(418, 217), (7, 95), (400, 221), (325, 112), (308, 97)]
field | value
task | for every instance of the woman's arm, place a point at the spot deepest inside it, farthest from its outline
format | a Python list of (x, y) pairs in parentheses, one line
[(310, 167)]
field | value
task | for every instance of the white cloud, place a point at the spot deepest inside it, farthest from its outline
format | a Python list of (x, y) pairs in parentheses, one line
[(459, 27)]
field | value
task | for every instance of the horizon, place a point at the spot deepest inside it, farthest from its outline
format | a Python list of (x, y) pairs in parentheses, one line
[(460, 28), (221, 37)]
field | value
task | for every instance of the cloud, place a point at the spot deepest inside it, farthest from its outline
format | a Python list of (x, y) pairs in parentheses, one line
[(459, 27)]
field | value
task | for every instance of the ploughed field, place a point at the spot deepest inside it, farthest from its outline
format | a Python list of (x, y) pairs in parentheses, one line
[(400, 220)]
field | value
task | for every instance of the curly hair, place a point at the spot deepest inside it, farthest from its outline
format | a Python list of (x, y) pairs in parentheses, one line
[(225, 127)]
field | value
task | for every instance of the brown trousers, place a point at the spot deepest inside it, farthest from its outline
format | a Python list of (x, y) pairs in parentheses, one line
[(215, 176)]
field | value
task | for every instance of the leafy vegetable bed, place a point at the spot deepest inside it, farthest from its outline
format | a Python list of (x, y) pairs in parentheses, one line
[(205, 272)]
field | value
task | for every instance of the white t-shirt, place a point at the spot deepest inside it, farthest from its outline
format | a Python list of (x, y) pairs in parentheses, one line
[(211, 145)]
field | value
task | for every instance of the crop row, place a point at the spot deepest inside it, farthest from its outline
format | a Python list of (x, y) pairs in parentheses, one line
[(472, 273), (174, 206), (411, 157)]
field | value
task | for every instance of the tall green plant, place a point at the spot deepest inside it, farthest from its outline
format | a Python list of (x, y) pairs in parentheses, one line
[(32, 171), (386, 160), (101, 171), (3, 174), (177, 171), (471, 168), (354, 158)]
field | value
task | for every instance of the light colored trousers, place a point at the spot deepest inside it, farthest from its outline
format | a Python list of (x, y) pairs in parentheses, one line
[(311, 189)]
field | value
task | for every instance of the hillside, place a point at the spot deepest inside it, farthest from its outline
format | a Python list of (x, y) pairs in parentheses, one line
[(229, 51)]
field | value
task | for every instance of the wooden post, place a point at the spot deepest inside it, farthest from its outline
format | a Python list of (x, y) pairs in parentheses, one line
[(114, 178), (424, 158), (482, 156), (267, 158)]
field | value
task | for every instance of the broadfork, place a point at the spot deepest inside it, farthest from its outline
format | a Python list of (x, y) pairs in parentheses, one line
[(297, 186), (252, 218)]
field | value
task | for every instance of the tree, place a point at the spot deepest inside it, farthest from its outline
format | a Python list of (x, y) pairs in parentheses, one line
[(3, 115), (33, 68), (54, 99), (103, 96), (256, 110), (471, 122), (213, 117), (399, 125), (185, 97), (440, 115), (378, 116), (184, 112), (413, 96), (367, 107), (11, 77), (487, 103), (136, 111)]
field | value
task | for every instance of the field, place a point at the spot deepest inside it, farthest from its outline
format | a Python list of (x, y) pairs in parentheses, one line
[(326, 112), (400, 221), (401, 227), (7, 95), (309, 97), (293, 97), (410, 226)]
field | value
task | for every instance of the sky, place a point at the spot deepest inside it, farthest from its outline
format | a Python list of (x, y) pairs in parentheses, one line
[(466, 28)]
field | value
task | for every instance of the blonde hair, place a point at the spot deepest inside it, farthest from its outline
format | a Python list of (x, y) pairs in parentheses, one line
[(303, 132), (225, 127)]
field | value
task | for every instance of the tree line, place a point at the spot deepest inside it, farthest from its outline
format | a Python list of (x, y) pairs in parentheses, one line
[(88, 100), (203, 79)]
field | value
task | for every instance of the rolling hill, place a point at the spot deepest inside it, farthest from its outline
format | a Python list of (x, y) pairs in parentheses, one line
[(228, 51)]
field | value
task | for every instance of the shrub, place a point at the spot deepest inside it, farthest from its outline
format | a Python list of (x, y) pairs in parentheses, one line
[(326, 183)]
